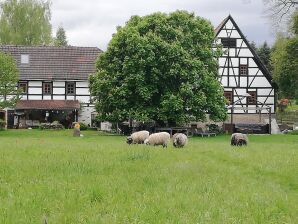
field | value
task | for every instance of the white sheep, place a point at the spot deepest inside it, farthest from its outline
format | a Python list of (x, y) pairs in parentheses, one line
[(239, 139), (137, 137), (160, 138), (180, 140)]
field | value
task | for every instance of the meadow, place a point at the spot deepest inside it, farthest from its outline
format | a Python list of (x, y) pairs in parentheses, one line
[(52, 177)]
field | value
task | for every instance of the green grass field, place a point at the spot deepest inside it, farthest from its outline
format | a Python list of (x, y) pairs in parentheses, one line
[(50, 175)]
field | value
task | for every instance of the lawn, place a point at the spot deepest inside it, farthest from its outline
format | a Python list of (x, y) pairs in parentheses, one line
[(52, 176)]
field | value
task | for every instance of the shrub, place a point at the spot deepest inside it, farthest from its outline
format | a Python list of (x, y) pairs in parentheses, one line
[(2, 124), (214, 128), (51, 126), (83, 126), (295, 132)]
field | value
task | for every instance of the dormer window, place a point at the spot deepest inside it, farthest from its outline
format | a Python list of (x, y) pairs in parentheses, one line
[(24, 59)]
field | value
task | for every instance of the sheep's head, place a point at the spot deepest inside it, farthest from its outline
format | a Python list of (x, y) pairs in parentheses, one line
[(146, 142), (175, 143), (129, 140)]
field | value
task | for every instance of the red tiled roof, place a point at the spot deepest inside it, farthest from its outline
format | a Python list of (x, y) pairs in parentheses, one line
[(54, 63), (48, 104)]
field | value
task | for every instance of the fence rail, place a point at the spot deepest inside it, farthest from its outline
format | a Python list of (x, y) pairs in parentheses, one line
[(287, 117)]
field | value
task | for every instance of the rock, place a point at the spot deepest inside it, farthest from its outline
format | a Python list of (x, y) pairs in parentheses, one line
[(76, 132)]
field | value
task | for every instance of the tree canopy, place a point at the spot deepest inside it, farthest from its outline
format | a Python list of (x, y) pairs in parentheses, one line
[(9, 77), (60, 39), (285, 62), (160, 67), (25, 22)]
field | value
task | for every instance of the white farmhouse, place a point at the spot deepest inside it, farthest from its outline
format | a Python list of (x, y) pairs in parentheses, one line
[(54, 84), (247, 83)]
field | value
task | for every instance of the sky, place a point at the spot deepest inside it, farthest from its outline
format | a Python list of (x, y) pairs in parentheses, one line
[(91, 23)]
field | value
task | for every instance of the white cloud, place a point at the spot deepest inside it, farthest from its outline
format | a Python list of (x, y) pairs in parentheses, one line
[(92, 22)]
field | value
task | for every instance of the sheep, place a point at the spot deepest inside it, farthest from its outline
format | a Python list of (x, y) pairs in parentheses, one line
[(160, 138), (137, 137), (239, 139), (179, 140)]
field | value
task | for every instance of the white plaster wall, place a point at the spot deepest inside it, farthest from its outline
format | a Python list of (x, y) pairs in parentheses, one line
[(34, 97), (70, 97), (83, 99), (85, 114), (59, 83), (82, 84), (82, 91), (265, 92), (58, 97), (47, 97), (35, 90), (259, 82), (235, 34), (245, 53), (35, 83), (58, 90)]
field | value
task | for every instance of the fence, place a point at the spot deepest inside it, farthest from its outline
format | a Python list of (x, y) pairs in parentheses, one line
[(287, 117)]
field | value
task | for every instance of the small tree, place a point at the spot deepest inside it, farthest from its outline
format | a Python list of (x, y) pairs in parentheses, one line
[(264, 52), (9, 77), (60, 39), (160, 67)]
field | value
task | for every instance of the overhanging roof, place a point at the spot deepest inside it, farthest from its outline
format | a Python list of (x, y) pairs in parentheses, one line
[(48, 105), (54, 63)]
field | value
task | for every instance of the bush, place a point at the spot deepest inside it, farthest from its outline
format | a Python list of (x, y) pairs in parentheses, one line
[(2, 124), (83, 127), (214, 128), (295, 132), (51, 126)]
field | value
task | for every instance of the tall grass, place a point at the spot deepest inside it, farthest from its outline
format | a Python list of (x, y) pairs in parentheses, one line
[(50, 175)]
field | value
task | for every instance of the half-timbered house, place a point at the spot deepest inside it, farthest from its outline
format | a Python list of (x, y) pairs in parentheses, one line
[(54, 84), (248, 85)]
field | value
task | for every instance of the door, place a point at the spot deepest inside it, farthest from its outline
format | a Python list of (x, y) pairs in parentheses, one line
[(10, 118)]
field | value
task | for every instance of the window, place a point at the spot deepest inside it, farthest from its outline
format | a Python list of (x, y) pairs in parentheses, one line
[(47, 88), (229, 96), (24, 59), (252, 99), (228, 42), (23, 87), (70, 88), (243, 69)]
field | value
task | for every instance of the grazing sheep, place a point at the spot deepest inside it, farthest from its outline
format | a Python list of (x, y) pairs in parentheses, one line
[(179, 140), (239, 139), (137, 137), (160, 138)]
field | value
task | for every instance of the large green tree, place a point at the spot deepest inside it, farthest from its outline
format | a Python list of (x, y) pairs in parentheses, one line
[(25, 22), (284, 59), (160, 67), (60, 39), (9, 77)]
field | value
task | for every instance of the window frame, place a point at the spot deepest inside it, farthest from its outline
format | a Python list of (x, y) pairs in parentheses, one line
[(242, 68), (44, 87), (22, 88), (229, 42), (252, 99), (226, 93), (67, 88)]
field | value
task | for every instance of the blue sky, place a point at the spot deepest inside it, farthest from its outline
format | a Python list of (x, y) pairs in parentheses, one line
[(92, 22)]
